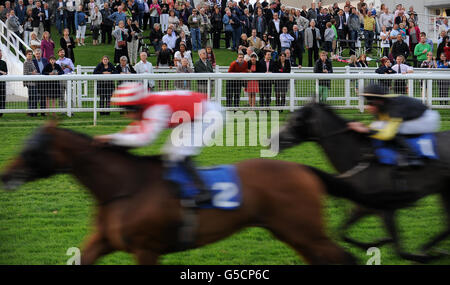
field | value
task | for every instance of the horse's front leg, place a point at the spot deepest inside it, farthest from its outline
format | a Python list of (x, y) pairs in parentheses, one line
[(357, 214), (146, 257), (389, 221), (96, 247)]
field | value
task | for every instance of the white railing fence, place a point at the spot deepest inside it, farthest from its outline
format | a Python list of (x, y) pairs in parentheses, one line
[(276, 91)]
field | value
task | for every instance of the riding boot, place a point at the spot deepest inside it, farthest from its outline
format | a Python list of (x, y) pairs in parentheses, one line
[(408, 157), (204, 195)]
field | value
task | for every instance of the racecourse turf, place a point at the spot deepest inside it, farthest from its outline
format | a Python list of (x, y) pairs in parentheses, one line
[(43, 219)]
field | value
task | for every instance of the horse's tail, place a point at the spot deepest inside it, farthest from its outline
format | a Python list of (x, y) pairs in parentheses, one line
[(335, 186)]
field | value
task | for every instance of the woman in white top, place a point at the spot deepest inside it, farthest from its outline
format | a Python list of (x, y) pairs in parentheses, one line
[(183, 27), (384, 36), (182, 53), (34, 42)]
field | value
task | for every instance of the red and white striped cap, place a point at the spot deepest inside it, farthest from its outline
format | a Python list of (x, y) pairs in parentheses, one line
[(128, 93)]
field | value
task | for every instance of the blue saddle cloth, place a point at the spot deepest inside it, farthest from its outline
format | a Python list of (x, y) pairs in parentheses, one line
[(222, 180), (423, 145)]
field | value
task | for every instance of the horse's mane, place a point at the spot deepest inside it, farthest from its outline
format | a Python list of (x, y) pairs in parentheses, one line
[(330, 111), (109, 147)]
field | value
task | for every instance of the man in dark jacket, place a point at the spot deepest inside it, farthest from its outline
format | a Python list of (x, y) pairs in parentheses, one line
[(40, 63), (400, 48), (38, 16), (266, 65), (203, 65), (298, 45), (107, 24), (323, 65)]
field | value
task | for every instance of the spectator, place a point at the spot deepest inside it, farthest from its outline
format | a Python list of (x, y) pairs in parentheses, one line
[(30, 69), (38, 15), (145, 67), (354, 24), (427, 40), (155, 12), (120, 46), (429, 62), (205, 27), (234, 87), (228, 28), (124, 68), (265, 86), (194, 22), (252, 85), (203, 66), (105, 87), (254, 41), (183, 53), (170, 39), (80, 23), (384, 44), (47, 18), (65, 62), (312, 37), (34, 42), (286, 40), (13, 25), (323, 65), (47, 46), (156, 37), (369, 30), (400, 48), (52, 91), (353, 61), (243, 44), (259, 23), (362, 60), (119, 16), (184, 28), (164, 58), (385, 68), (237, 29), (401, 68), (20, 11), (386, 19), (68, 44), (164, 15), (211, 56), (183, 68), (135, 34), (217, 26), (107, 24), (27, 26), (275, 29), (60, 15), (96, 21), (442, 45), (297, 45), (421, 50), (71, 7), (185, 39), (3, 71), (329, 36), (443, 85), (281, 86), (173, 19)]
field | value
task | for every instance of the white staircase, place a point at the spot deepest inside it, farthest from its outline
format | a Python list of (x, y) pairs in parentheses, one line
[(14, 58)]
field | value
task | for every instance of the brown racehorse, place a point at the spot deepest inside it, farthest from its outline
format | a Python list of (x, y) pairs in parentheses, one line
[(138, 211)]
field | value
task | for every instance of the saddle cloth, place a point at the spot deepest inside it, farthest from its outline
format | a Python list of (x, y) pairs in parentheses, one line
[(423, 145), (222, 181)]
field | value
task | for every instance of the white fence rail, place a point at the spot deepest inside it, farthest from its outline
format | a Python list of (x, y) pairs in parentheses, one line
[(275, 91)]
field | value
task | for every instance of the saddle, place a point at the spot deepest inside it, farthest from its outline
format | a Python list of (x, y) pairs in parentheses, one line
[(406, 150)]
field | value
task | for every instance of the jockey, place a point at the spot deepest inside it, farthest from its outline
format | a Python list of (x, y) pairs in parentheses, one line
[(397, 114), (154, 112)]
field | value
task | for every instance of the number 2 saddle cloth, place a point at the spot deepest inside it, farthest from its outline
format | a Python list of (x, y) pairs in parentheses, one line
[(222, 181), (423, 145)]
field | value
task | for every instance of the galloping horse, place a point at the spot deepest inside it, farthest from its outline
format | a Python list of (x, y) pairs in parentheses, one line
[(140, 213), (377, 187)]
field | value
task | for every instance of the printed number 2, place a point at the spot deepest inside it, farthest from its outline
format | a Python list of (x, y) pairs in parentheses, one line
[(228, 191), (426, 147)]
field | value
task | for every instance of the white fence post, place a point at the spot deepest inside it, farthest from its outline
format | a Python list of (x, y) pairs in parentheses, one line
[(291, 94), (430, 92), (95, 103), (69, 98), (360, 92), (317, 91), (410, 88), (347, 90)]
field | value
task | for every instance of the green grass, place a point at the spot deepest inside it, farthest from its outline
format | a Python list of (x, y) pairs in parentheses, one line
[(39, 222)]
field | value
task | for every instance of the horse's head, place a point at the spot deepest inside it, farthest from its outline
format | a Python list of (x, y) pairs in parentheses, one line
[(310, 123), (36, 160)]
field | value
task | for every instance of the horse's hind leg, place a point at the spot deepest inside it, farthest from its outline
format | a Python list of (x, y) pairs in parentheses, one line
[(96, 247)]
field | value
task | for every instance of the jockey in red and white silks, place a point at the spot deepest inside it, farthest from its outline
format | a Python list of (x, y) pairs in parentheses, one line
[(190, 113)]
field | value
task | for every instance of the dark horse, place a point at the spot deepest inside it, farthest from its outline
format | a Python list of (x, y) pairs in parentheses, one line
[(140, 213), (376, 187)]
